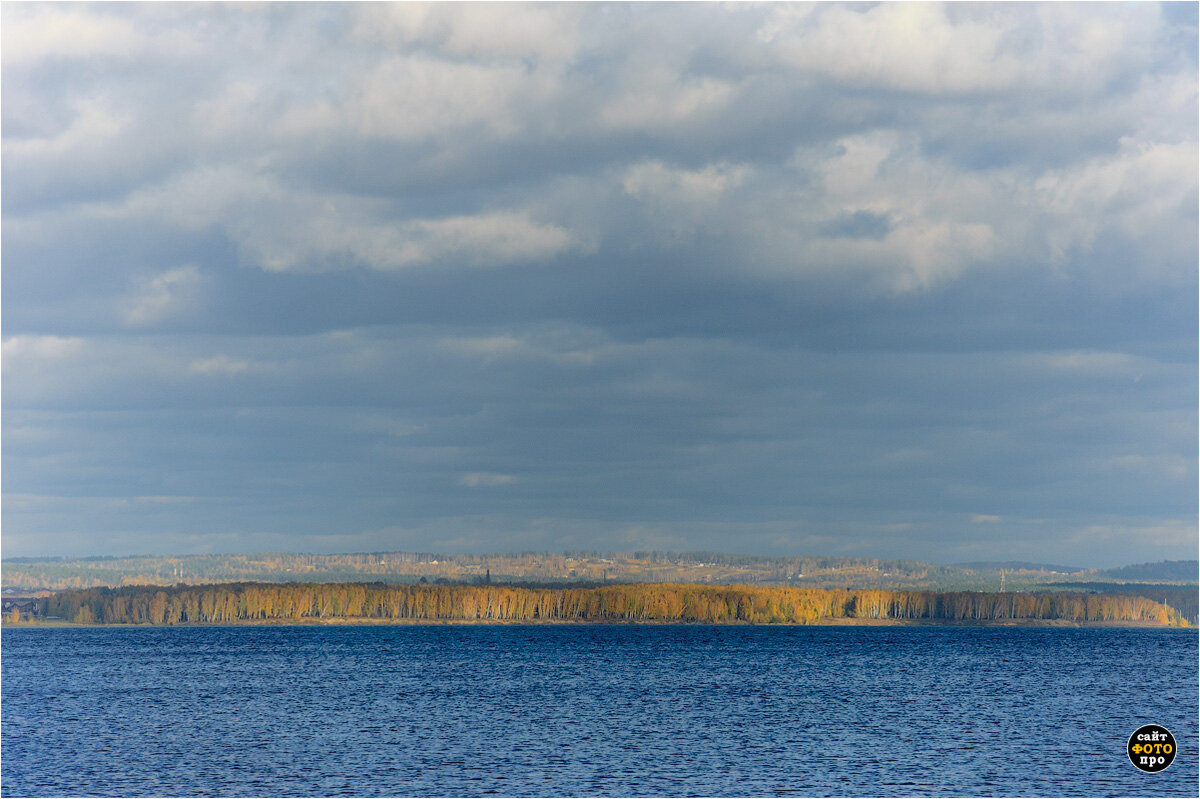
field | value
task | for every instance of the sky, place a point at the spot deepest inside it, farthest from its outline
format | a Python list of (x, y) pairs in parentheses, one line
[(898, 280)]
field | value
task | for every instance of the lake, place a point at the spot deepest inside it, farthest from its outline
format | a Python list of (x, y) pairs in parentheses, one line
[(592, 710)]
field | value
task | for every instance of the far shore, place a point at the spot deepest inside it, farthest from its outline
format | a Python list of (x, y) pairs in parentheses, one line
[(829, 622)]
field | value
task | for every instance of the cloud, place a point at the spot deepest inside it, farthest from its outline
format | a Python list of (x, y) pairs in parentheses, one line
[(486, 480), (94, 126), (218, 365), (663, 101), (1146, 192), (562, 347), (486, 239), (775, 278), (1171, 467), (489, 348), (679, 202), (1097, 364), (168, 293), (280, 230), (858, 225), (952, 50), (40, 348), (1129, 540), (478, 240), (415, 97), (658, 181), (33, 33), (451, 92), (542, 33)]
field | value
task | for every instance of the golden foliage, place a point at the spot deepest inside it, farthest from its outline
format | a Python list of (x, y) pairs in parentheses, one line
[(640, 602)]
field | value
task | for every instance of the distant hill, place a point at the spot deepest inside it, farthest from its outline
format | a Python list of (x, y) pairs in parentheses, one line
[(1164, 570), (1017, 565), (25, 576), (572, 567)]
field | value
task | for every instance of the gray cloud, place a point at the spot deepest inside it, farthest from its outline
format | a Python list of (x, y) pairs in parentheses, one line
[(361, 276)]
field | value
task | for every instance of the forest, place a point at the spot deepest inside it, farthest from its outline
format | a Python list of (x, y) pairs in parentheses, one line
[(643, 602), (409, 567), (568, 569)]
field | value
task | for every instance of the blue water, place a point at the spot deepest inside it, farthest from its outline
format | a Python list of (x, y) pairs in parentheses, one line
[(592, 711)]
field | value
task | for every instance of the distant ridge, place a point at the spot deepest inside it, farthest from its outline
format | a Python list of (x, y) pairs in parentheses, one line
[(1163, 570), (1017, 565), (561, 568)]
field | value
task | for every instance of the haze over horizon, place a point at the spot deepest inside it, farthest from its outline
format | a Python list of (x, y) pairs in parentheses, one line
[(910, 281)]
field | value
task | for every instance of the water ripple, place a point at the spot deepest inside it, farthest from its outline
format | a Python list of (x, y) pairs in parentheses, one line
[(592, 711)]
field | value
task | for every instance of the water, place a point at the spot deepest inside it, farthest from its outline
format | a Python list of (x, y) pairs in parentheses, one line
[(592, 711)]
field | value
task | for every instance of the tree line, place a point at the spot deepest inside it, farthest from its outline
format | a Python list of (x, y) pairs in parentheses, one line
[(1183, 598), (237, 602), (648, 566)]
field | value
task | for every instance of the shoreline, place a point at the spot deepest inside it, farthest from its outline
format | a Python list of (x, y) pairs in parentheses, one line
[(830, 622), (358, 603)]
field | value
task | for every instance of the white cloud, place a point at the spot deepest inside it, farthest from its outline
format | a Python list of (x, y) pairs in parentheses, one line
[(949, 48), (34, 31), (459, 78), (677, 203), (486, 239), (1159, 467), (317, 237), (413, 97), (935, 223), (94, 126), (560, 347), (320, 235), (911, 46), (489, 348), (660, 101), (1091, 364), (196, 198), (485, 479), (541, 32), (33, 348), (938, 251), (281, 230), (1145, 192), (164, 295), (218, 365), (941, 219), (52, 502), (852, 173), (661, 182)]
